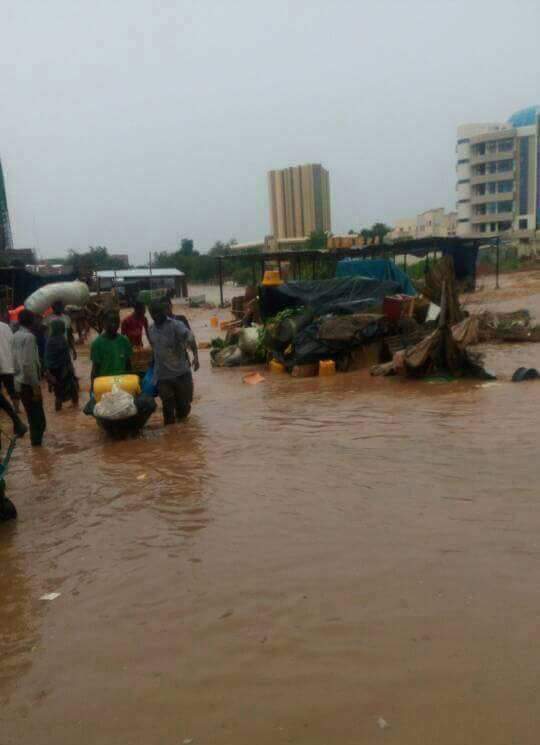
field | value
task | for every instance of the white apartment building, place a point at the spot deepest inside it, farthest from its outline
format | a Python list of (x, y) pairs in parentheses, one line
[(434, 223), (498, 176)]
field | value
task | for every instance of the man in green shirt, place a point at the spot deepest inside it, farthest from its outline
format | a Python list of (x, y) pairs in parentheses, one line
[(110, 352)]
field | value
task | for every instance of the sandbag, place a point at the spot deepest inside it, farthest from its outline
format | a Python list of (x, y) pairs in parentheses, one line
[(358, 327), (466, 333), (71, 293), (117, 404), (228, 357)]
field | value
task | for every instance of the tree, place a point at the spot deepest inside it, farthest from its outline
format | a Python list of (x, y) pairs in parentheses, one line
[(317, 241), (220, 249), (380, 230), (367, 235), (93, 260)]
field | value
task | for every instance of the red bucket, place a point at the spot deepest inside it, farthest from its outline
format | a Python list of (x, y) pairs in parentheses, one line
[(396, 307)]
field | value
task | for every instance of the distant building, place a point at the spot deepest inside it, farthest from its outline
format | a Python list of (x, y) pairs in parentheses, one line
[(46, 268), (498, 176), (20, 256), (436, 223), (351, 240), (130, 281), (403, 229), (299, 201)]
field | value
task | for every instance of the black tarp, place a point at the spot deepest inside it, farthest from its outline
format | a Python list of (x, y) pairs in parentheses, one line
[(465, 258), (340, 295), (24, 283)]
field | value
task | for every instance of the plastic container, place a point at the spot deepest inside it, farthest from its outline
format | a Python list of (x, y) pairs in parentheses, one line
[(396, 307), (141, 360), (271, 278), (327, 368), (276, 367), (128, 383), (147, 296), (14, 314), (214, 322)]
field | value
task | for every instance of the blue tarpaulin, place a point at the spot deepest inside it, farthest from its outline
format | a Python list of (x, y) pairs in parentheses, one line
[(339, 295), (380, 269)]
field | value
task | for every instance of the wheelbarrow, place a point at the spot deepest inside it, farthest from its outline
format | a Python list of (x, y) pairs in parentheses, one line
[(128, 427), (7, 508)]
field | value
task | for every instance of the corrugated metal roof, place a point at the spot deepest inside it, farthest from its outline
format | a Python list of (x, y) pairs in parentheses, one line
[(137, 273)]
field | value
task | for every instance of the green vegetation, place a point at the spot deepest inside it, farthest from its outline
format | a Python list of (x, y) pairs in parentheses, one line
[(508, 259), (418, 270), (287, 313), (95, 259), (203, 267), (317, 241), (377, 232), (380, 230)]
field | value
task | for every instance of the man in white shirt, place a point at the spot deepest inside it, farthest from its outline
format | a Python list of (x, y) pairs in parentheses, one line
[(6, 379), (28, 376)]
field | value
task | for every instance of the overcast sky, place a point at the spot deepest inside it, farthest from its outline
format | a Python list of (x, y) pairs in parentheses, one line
[(130, 123)]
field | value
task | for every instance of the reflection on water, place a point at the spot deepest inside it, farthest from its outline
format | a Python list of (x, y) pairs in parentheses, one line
[(19, 614), (296, 560)]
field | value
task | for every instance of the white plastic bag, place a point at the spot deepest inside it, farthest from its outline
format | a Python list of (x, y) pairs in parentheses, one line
[(248, 340), (72, 293), (117, 404)]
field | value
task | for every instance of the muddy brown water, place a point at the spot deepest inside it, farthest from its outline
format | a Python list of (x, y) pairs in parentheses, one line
[(297, 561)]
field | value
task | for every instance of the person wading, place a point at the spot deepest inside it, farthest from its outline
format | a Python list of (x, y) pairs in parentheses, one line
[(59, 314), (170, 340), (134, 325), (28, 374), (7, 380), (59, 367), (110, 352)]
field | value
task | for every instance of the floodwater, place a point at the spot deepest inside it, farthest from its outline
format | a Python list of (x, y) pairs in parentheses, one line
[(298, 561), (212, 294)]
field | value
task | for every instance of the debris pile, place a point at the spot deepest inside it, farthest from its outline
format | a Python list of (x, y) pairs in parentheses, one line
[(348, 323), (516, 326)]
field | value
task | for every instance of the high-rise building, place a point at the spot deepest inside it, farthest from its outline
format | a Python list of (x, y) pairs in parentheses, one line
[(6, 239), (498, 176), (299, 201)]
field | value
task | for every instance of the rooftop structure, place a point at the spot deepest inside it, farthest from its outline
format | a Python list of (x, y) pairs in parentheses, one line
[(137, 273), (131, 281)]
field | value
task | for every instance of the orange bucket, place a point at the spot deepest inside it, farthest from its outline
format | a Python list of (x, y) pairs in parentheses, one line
[(327, 368), (276, 367)]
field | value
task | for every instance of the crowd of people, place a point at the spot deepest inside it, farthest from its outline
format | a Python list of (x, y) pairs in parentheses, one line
[(38, 352)]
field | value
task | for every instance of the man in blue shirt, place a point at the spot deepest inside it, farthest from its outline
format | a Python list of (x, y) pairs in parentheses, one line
[(170, 340)]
